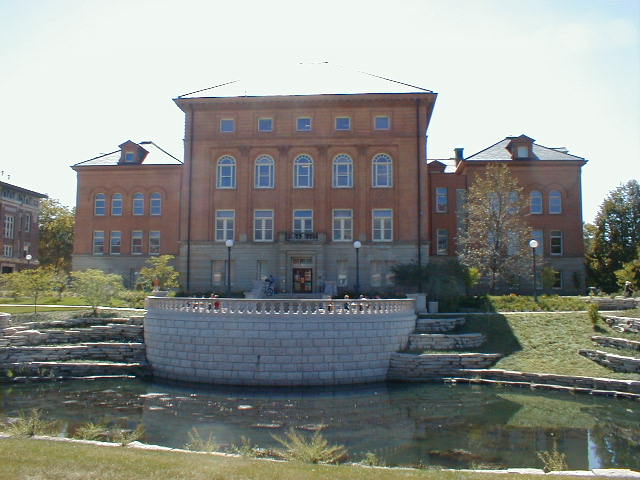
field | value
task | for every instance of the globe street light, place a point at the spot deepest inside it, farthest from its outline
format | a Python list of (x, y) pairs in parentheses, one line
[(229, 244), (28, 257), (357, 246), (534, 244)]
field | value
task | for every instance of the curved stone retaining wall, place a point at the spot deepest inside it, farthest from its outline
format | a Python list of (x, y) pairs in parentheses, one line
[(275, 342)]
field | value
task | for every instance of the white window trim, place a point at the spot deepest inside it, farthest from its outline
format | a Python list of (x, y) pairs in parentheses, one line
[(559, 196), (551, 237), (27, 222), (304, 129), (111, 244), (129, 157), (334, 177), (133, 205), (373, 224), (373, 171), (342, 230), (225, 228), (335, 124), (541, 204), (273, 224), (141, 237), (304, 219), (382, 129), (272, 175), (104, 205), (220, 166), (93, 242), (159, 237), (121, 201), (440, 251), (266, 118), (151, 200), (445, 208), (295, 171)]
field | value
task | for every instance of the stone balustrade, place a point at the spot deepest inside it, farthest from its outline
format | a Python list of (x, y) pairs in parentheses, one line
[(617, 363), (275, 341), (242, 306), (621, 343), (443, 341)]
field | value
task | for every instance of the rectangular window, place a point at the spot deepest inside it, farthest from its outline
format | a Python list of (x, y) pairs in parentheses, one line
[(27, 222), (9, 224), (523, 152), (116, 204), (154, 243), (382, 122), (342, 225), (555, 243), (155, 207), (442, 236), (342, 272), (303, 124), (98, 242), (513, 243), (227, 125), (263, 225), (26, 249), (557, 279), (129, 157), (225, 225), (265, 124), (136, 242), (442, 200), (302, 222), (116, 243), (138, 204), (343, 123), (383, 225), (538, 235), (7, 250), (218, 272)]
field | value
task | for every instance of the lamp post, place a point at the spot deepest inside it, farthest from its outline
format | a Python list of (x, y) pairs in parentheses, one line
[(229, 244), (28, 257), (357, 246), (534, 244)]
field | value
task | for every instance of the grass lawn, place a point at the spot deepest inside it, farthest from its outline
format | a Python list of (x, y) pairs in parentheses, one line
[(546, 342), (40, 459), (29, 309)]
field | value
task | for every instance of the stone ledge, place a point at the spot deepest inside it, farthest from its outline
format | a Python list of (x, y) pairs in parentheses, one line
[(438, 325), (620, 343), (617, 363), (443, 341), (407, 366), (623, 324)]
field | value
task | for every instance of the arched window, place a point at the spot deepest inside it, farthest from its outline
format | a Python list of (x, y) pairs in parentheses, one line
[(382, 170), (100, 204), (264, 172), (342, 171), (156, 204), (535, 202), (303, 172), (138, 204), (555, 201), (116, 204), (514, 199), (226, 172)]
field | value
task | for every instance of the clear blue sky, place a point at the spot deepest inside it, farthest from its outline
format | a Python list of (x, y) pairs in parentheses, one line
[(78, 78)]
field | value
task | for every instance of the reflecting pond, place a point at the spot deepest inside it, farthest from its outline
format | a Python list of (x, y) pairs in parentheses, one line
[(403, 424)]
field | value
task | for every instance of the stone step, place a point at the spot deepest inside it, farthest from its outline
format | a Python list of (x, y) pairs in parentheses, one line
[(438, 325), (109, 351), (94, 333), (433, 365), (619, 343), (445, 341), (74, 369), (617, 363), (623, 324)]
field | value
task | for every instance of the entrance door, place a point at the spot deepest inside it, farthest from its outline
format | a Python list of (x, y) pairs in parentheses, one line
[(302, 280)]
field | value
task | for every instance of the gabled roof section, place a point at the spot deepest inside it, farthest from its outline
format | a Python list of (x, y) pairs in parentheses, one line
[(156, 156), (9, 186), (500, 152), (320, 78)]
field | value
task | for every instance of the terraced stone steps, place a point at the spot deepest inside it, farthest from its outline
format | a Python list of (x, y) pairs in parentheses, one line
[(74, 369), (623, 324), (617, 363), (444, 341), (438, 325), (109, 351), (619, 343)]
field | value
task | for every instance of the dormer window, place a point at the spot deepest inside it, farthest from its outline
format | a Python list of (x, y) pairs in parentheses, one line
[(129, 157), (522, 151)]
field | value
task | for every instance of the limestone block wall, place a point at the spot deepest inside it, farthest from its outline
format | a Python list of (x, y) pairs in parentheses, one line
[(622, 343), (96, 333), (617, 363), (437, 325), (113, 352), (407, 366), (275, 342), (617, 303), (442, 341), (4, 320)]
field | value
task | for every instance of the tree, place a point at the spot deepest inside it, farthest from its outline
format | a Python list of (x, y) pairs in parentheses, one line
[(494, 237), (630, 272), (440, 279), (56, 234), (32, 283), (96, 287), (158, 272), (616, 237)]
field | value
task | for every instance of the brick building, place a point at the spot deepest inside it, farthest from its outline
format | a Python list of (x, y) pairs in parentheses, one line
[(295, 181), (19, 237)]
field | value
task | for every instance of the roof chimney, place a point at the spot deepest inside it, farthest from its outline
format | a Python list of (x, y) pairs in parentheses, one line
[(459, 155)]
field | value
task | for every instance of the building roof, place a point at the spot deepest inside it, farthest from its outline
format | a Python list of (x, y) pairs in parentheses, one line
[(499, 152), (449, 164), (304, 79), (156, 156), (23, 190)]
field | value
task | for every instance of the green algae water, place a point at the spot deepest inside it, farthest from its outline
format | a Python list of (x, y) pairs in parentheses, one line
[(456, 426)]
